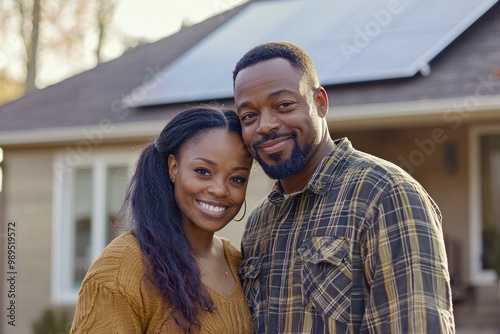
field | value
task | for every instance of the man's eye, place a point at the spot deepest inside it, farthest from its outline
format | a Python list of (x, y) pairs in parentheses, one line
[(248, 117)]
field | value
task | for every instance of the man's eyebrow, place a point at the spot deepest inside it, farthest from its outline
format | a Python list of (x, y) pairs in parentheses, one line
[(275, 94), (280, 92), (243, 105)]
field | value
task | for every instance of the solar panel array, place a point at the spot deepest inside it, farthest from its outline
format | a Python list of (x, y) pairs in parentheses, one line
[(349, 41)]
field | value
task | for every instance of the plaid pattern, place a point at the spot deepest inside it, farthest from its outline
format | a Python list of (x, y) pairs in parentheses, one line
[(359, 250)]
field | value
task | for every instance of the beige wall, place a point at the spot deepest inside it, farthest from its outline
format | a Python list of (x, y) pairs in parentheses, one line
[(28, 190), (422, 151), (28, 202)]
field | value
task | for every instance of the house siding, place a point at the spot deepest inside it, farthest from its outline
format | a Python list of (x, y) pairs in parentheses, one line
[(448, 187), (28, 203)]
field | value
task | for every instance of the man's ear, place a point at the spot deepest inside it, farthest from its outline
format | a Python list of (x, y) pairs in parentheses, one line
[(321, 99), (173, 167)]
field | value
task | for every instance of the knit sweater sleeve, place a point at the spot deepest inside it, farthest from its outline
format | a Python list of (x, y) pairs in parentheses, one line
[(110, 297), (102, 310)]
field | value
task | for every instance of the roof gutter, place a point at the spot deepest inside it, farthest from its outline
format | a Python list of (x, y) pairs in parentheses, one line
[(414, 113), (94, 133)]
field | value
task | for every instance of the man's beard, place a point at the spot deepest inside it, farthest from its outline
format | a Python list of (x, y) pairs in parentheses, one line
[(283, 168)]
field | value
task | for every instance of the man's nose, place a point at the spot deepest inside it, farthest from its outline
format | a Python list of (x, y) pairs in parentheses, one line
[(268, 122)]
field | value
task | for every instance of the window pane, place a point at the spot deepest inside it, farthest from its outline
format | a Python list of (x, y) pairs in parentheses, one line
[(490, 194), (82, 221), (115, 191)]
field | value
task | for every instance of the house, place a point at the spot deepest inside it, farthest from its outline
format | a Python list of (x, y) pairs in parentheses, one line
[(68, 149)]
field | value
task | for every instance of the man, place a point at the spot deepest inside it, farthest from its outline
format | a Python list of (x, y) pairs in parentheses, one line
[(345, 242)]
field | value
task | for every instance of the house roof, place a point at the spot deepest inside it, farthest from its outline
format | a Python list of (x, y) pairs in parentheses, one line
[(93, 100)]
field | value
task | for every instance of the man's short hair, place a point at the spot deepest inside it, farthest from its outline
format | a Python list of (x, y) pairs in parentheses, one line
[(294, 54)]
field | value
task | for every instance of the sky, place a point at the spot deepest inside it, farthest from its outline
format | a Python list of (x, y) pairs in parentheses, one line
[(154, 19), (148, 20)]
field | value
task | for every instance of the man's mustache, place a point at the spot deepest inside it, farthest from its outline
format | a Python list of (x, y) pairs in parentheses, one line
[(273, 136)]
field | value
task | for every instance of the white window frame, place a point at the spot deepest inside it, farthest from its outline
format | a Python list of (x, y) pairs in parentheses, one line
[(63, 292), (1, 171), (478, 276)]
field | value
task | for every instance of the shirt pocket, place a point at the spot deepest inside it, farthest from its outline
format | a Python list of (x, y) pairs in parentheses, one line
[(250, 275), (327, 275)]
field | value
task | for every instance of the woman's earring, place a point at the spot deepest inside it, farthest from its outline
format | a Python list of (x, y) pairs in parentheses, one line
[(244, 211)]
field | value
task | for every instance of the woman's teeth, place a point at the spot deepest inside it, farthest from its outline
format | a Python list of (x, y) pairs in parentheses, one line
[(212, 208)]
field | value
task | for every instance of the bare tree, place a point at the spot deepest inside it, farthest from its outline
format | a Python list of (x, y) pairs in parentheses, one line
[(28, 28), (55, 27), (105, 11)]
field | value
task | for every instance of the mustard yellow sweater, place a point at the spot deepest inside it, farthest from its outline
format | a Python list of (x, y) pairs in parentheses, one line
[(116, 298)]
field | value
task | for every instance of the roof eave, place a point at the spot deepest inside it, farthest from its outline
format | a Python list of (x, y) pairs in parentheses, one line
[(409, 114), (92, 135)]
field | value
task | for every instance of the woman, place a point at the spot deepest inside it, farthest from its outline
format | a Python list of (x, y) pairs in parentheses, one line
[(170, 273)]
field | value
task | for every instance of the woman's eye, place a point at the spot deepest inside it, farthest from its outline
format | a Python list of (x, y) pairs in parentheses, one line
[(239, 180), (202, 171)]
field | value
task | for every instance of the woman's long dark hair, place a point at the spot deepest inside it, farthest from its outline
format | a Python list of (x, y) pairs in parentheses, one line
[(155, 218)]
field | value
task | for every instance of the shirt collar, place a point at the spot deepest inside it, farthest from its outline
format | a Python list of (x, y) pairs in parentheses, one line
[(324, 176)]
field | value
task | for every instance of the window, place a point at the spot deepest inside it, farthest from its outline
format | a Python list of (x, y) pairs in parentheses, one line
[(484, 192), (87, 199), (81, 220), (490, 194)]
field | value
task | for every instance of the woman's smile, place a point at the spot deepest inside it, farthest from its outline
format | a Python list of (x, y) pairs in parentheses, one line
[(212, 209)]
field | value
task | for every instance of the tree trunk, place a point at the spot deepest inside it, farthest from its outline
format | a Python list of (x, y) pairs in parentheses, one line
[(105, 12), (32, 50)]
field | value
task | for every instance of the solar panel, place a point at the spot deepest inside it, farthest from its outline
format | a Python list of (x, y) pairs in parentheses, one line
[(349, 41)]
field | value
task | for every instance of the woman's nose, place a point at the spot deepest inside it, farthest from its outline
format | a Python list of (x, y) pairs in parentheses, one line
[(218, 188)]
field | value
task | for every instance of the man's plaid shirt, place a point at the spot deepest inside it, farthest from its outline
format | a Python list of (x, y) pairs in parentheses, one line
[(359, 250)]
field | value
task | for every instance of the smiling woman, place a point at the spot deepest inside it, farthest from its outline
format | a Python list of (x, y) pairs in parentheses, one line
[(169, 273), (210, 186)]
